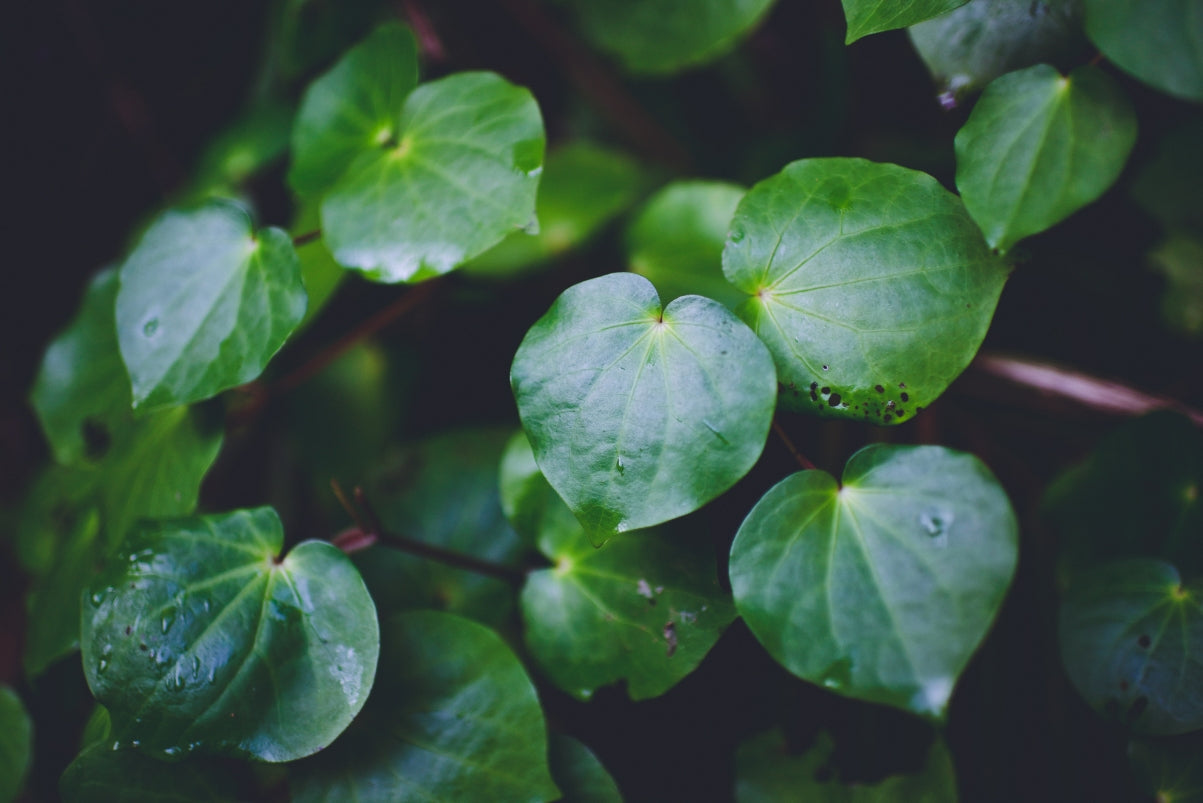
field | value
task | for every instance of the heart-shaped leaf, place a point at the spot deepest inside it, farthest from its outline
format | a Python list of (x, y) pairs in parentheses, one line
[(199, 638), (640, 413), (880, 589), (1158, 41), (869, 283), (459, 174), (1132, 643), (204, 303), (16, 744), (1039, 146), (873, 16), (645, 608), (454, 717)]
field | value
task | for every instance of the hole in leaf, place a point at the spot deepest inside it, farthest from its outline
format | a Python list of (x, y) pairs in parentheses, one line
[(96, 438)]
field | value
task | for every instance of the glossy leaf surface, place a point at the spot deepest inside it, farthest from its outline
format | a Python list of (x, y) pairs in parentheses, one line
[(1132, 643), (883, 588), (645, 607), (453, 718), (204, 303), (16, 744), (579, 775), (1039, 146), (201, 639), (100, 773), (640, 413), (1158, 41), (873, 16), (677, 239), (869, 283), (352, 108), (667, 36), (459, 175)]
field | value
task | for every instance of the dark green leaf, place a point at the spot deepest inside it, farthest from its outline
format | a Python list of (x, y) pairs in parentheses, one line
[(1171, 769), (677, 240), (883, 588), (459, 176), (16, 744), (873, 16), (353, 108), (669, 35), (58, 499), (1039, 146), (199, 638), (204, 303), (1180, 260), (869, 283), (1168, 185), (968, 48), (644, 608), (100, 773), (454, 718), (52, 607), (250, 144), (640, 413), (1158, 41), (1132, 643), (578, 773)]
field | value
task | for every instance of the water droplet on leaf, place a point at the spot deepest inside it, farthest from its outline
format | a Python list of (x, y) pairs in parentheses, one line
[(150, 327)]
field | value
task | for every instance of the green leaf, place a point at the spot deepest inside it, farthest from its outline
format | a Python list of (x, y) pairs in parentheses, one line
[(883, 588), (52, 607), (669, 35), (459, 176), (1180, 259), (1039, 146), (443, 491), (1132, 643), (969, 47), (578, 773), (100, 773), (1158, 41), (254, 141), (677, 239), (1168, 185), (583, 187), (352, 108), (57, 500), (640, 413), (16, 744), (453, 718), (204, 304), (766, 772), (198, 638), (1170, 769), (320, 274), (645, 608), (873, 16), (869, 283)]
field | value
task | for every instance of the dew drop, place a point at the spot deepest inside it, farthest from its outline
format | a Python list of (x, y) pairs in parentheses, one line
[(212, 675), (172, 751), (168, 620), (936, 523), (826, 367), (737, 234), (101, 666), (196, 665), (621, 468), (150, 327)]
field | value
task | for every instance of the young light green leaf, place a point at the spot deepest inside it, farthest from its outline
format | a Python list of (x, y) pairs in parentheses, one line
[(1132, 643), (16, 744), (198, 638), (969, 47), (1169, 768), (869, 283), (459, 175), (1039, 146), (645, 608), (583, 187), (766, 773), (676, 241), (640, 413), (883, 588), (100, 773), (352, 108), (578, 773), (204, 303), (321, 275), (669, 35), (873, 16), (1158, 41), (454, 717)]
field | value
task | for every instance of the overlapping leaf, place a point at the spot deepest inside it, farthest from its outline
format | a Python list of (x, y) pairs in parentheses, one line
[(880, 589), (869, 283), (1158, 41), (100, 773), (640, 413), (198, 638), (578, 773), (873, 16)]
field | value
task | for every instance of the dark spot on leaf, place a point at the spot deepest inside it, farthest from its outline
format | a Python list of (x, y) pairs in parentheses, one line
[(814, 385), (918, 410), (670, 638), (143, 647), (1137, 708), (824, 367), (890, 404), (128, 629), (825, 391), (902, 384), (1144, 641), (96, 438), (900, 413), (814, 396), (886, 417), (879, 388), (905, 397), (834, 401)]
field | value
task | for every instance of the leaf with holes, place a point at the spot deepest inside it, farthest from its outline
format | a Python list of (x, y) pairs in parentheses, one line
[(873, 16), (869, 283), (197, 638), (1039, 146), (645, 608), (640, 413), (459, 174), (1132, 643), (454, 717), (880, 589), (1158, 41), (204, 303)]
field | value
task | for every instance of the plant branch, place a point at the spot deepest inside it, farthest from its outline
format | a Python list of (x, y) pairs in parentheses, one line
[(801, 458), (428, 39), (306, 238)]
